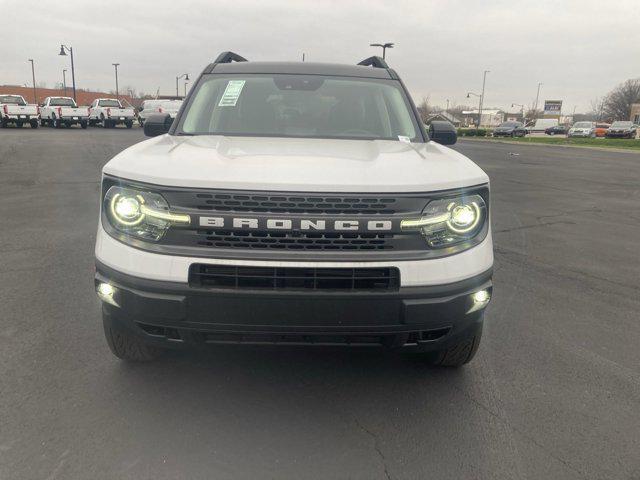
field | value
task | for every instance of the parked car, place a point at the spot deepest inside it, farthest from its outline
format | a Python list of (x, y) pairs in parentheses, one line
[(510, 129), (622, 130), (149, 107), (601, 129), (109, 112), (280, 234), (59, 111), (557, 130), (541, 124), (582, 129), (14, 109)]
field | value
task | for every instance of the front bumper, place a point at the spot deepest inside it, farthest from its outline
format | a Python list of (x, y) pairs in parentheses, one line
[(619, 135), (175, 314)]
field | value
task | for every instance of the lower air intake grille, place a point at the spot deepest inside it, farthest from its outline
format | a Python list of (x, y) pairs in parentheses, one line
[(292, 278)]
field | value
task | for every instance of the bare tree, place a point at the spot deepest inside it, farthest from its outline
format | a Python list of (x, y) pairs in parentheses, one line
[(424, 108), (597, 109), (617, 103)]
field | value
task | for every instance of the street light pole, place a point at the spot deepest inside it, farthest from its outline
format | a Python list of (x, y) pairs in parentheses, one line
[(64, 80), (384, 47), (484, 79), (185, 89), (33, 76), (186, 78), (63, 51), (535, 108), (480, 99), (116, 67)]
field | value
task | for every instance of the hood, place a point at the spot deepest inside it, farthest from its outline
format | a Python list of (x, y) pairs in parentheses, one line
[(295, 164)]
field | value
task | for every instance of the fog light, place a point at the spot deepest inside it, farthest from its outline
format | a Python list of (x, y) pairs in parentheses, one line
[(106, 292), (480, 299)]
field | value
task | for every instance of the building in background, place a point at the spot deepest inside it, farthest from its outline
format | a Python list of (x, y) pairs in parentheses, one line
[(444, 117), (635, 113), (490, 118)]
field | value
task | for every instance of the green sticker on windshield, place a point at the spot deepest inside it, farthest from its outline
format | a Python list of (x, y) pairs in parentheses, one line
[(231, 93)]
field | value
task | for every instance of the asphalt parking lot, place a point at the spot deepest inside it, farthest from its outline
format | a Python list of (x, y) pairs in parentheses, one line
[(554, 392)]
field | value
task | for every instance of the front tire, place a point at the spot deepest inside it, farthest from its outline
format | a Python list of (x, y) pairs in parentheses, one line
[(129, 123), (459, 354), (125, 345), (83, 124), (34, 123)]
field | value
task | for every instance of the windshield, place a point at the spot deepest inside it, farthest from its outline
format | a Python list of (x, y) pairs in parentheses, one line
[(109, 103), (510, 124), (309, 106), (13, 100), (582, 125), (62, 102), (621, 124)]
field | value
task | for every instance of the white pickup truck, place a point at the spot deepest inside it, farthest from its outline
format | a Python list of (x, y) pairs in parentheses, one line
[(59, 111), (151, 107), (14, 109), (109, 112)]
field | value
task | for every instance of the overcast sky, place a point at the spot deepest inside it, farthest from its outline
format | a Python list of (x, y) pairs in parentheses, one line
[(579, 50)]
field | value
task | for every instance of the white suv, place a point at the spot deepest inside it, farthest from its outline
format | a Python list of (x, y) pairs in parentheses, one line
[(295, 203)]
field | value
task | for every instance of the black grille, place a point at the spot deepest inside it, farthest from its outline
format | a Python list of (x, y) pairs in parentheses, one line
[(223, 202), (294, 240), (294, 278)]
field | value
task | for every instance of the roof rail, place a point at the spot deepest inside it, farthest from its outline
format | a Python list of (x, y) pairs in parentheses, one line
[(375, 62), (228, 57)]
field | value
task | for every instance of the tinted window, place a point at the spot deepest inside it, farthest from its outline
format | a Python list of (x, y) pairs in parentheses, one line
[(11, 100), (300, 106), (62, 102), (510, 124), (110, 103), (621, 124), (582, 125)]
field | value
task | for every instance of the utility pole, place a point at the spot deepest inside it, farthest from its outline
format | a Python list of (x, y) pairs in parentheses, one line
[(64, 80), (535, 108), (447, 110), (33, 76), (484, 79), (116, 67)]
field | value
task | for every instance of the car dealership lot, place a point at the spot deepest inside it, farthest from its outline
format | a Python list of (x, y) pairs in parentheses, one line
[(553, 392)]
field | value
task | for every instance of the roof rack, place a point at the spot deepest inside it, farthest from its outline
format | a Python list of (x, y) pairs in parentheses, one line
[(375, 62), (228, 57)]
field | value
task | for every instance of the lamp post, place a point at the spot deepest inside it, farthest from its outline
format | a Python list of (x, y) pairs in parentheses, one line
[(185, 88), (186, 78), (522, 109), (384, 47), (116, 67), (33, 76), (64, 81), (484, 80), (447, 110), (480, 100), (63, 51), (535, 108)]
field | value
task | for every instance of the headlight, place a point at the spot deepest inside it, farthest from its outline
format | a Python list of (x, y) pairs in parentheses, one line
[(140, 213), (450, 221)]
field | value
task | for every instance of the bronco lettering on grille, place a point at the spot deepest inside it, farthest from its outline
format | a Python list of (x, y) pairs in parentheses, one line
[(299, 224)]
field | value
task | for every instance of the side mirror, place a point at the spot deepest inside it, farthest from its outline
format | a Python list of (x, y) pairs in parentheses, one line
[(443, 133), (157, 124)]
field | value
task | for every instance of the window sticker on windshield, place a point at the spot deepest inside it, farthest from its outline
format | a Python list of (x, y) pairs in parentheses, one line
[(231, 93)]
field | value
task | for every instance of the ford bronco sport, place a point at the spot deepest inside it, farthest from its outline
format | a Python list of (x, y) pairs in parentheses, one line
[(295, 204)]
